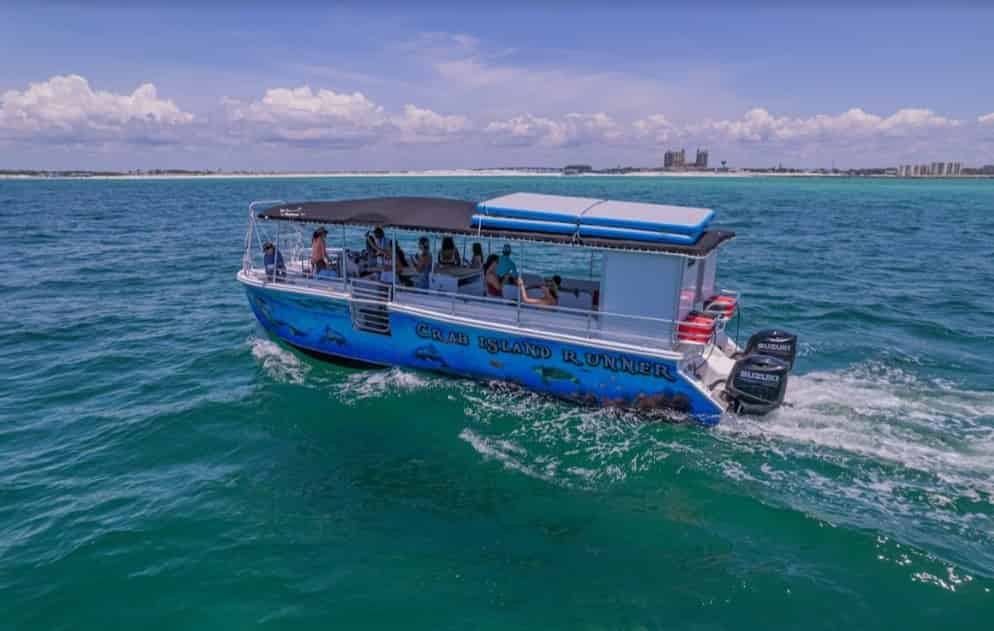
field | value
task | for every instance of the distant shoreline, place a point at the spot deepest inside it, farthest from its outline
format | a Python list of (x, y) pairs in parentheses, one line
[(460, 173)]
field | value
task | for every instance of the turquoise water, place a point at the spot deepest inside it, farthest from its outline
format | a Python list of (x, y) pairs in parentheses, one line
[(165, 465)]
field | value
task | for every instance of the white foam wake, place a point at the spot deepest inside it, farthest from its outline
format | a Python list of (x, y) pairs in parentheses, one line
[(279, 363), (885, 416), (373, 384)]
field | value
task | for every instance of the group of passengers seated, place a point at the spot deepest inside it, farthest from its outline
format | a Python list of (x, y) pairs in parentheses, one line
[(383, 255), (499, 271)]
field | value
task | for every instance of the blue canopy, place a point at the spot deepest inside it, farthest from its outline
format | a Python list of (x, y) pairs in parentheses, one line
[(637, 221)]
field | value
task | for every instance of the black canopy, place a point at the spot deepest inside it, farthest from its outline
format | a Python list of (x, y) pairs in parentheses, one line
[(439, 214)]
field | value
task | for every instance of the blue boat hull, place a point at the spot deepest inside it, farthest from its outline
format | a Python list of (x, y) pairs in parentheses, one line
[(579, 372)]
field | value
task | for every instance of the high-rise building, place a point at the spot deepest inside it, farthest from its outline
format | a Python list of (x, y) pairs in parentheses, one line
[(674, 159), (701, 161)]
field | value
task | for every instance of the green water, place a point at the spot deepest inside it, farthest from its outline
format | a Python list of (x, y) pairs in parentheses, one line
[(165, 465)]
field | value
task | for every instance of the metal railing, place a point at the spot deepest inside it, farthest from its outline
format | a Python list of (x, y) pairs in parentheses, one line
[(591, 324)]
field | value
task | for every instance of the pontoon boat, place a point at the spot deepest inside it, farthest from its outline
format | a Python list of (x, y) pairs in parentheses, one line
[(636, 318)]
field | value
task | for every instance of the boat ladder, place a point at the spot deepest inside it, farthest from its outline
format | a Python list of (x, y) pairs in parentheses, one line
[(368, 306)]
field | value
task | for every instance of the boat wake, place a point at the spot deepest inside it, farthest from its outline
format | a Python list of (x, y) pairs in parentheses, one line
[(868, 446), (378, 383), (883, 450), (279, 363), (872, 415)]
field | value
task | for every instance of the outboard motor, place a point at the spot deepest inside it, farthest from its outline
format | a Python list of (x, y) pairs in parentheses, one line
[(757, 384), (775, 343)]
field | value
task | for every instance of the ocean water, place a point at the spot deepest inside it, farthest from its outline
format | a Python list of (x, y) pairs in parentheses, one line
[(164, 464)]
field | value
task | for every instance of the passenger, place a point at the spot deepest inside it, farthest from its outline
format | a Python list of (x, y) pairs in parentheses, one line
[(319, 250), (422, 263), (376, 243), (550, 293), (449, 255), (394, 251), (387, 261), (401, 267), (495, 286), (506, 269), (476, 262), (273, 261)]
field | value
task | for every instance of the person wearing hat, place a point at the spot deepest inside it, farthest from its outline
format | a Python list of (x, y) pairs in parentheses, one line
[(319, 250), (506, 269), (273, 261)]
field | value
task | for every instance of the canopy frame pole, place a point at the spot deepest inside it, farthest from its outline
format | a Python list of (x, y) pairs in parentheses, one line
[(394, 265), (258, 238), (276, 255), (343, 261), (590, 311), (247, 255)]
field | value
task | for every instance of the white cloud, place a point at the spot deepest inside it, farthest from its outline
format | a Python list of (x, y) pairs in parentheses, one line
[(502, 82), (656, 128), (573, 129), (66, 109), (473, 73), (418, 125), (325, 118), (304, 117), (526, 130), (760, 126)]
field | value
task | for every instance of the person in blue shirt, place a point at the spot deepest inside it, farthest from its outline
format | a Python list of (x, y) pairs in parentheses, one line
[(507, 271), (273, 260)]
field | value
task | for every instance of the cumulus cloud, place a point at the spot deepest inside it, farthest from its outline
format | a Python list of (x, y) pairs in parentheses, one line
[(418, 125), (760, 126), (526, 130), (66, 109), (325, 118), (572, 130), (656, 128), (301, 116)]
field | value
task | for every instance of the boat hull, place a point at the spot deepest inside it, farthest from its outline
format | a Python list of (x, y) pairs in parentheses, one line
[(424, 340)]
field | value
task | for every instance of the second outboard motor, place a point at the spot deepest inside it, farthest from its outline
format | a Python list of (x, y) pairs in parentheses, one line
[(775, 343), (757, 384)]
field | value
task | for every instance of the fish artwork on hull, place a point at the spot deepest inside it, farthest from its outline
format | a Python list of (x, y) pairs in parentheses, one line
[(332, 336), (429, 353), (551, 373), (267, 313)]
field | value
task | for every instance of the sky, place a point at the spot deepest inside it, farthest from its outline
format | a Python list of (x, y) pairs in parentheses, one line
[(294, 86)]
